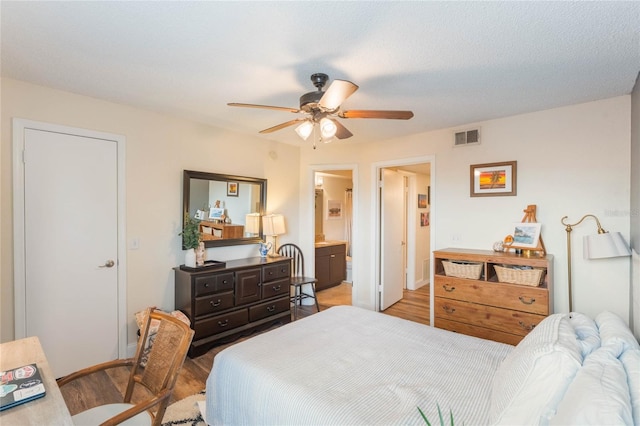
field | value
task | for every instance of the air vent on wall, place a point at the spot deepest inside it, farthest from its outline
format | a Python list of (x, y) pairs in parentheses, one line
[(467, 137)]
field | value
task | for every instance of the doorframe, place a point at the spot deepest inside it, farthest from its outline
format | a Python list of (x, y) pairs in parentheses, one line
[(355, 228), (377, 221), (19, 262)]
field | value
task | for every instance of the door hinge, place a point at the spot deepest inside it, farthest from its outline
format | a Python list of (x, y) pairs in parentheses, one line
[(379, 288), (24, 156)]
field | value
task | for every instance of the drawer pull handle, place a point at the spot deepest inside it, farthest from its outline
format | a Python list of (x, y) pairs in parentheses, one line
[(333, 255), (224, 281), (526, 327), (447, 288), (206, 285), (448, 310), (223, 323), (531, 300), (276, 288), (270, 272), (214, 304), (271, 308)]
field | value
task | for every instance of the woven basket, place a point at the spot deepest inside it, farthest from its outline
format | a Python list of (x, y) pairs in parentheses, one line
[(530, 277), (462, 270)]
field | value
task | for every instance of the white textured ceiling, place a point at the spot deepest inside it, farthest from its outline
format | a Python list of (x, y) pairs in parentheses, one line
[(452, 63)]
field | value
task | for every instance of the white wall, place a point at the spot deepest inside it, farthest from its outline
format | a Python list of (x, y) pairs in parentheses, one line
[(334, 188), (158, 148), (635, 208), (571, 161)]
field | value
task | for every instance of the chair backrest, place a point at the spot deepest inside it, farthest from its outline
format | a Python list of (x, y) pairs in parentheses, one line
[(157, 367), (297, 259)]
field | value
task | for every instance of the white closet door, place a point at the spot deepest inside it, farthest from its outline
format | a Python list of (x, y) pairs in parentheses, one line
[(71, 247)]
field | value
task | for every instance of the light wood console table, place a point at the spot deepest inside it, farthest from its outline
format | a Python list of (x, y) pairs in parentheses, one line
[(48, 410)]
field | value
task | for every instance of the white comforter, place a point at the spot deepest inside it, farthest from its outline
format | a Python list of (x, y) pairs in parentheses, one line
[(348, 365)]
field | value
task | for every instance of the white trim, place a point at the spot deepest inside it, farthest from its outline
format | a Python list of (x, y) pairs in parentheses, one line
[(19, 127), (375, 213)]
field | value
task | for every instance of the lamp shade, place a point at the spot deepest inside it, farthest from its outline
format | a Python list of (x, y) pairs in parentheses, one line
[(252, 223), (273, 224), (601, 246), (304, 130)]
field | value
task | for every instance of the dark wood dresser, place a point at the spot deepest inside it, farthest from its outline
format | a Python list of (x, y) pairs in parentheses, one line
[(225, 302)]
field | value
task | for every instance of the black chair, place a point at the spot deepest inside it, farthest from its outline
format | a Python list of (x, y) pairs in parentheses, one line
[(297, 277)]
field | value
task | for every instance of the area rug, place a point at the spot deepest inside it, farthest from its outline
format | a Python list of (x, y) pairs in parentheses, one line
[(185, 412)]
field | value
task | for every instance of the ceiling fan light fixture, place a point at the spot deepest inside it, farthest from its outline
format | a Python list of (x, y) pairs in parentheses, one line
[(305, 129), (327, 128)]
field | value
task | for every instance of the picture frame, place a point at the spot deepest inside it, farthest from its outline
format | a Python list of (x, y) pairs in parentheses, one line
[(232, 189), (200, 214), (424, 219), (216, 213), (334, 209), (493, 179), (526, 235), (422, 201)]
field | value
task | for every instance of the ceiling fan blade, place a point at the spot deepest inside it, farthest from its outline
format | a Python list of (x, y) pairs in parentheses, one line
[(342, 132), (363, 113), (336, 93), (282, 125), (236, 104)]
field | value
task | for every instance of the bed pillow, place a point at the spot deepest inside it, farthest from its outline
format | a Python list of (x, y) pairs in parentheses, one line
[(631, 362), (598, 395), (615, 333), (532, 379), (586, 331)]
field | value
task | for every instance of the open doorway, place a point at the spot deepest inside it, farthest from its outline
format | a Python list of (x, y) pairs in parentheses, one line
[(404, 221), (333, 235)]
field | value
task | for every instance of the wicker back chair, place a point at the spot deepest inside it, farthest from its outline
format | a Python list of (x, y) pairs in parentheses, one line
[(298, 279), (154, 368)]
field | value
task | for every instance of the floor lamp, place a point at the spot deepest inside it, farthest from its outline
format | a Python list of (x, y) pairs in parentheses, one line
[(600, 246)]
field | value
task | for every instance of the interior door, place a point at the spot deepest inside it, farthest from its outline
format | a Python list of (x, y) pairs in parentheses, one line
[(71, 247), (392, 225)]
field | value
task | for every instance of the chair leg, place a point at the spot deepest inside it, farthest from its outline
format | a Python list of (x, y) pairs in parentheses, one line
[(315, 295)]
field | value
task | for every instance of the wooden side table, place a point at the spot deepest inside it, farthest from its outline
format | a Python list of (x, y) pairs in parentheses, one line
[(48, 410)]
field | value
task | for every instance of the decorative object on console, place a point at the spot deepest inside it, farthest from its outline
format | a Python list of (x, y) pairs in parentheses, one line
[(526, 238), (600, 246), (493, 179), (264, 249), (273, 225), (191, 239)]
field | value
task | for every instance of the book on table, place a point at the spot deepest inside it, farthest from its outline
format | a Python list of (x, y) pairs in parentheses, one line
[(20, 385)]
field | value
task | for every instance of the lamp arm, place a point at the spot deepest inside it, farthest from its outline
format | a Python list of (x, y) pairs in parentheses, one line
[(569, 226)]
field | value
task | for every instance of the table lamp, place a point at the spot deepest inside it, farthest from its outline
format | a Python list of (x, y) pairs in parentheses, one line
[(273, 225)]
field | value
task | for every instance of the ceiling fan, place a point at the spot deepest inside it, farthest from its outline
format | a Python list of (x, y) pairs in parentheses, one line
[(323, 108)]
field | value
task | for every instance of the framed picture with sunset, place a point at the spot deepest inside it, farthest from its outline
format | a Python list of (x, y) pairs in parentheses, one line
[(493, 179)]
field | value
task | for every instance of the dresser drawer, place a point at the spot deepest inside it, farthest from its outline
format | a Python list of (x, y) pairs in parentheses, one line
[(523, 298), (275, 288), (508, 321), (220, 323), (213, 303), (275, 272), (267, 309), (213, 283)]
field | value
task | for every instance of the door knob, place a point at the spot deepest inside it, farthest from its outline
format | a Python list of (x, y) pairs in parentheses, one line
[(108, 264)]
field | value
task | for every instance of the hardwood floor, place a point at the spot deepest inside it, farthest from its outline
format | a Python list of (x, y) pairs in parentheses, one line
[(414, 306)]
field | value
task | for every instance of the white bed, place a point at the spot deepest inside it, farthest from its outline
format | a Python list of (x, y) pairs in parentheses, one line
[(350, 366)]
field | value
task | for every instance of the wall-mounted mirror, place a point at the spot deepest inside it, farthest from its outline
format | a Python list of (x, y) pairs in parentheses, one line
[(222, 203)]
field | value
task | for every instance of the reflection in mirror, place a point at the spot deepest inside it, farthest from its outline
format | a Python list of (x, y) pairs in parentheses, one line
[(222, 203)]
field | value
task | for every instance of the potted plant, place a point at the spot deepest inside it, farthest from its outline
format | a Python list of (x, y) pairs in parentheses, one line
[(191, 240)]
